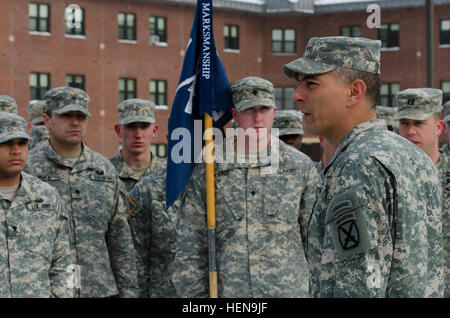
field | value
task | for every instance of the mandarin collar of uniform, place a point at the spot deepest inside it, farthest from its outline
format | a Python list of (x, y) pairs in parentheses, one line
[(272, 150), (354, 134), (126, 172), (84, 162), (24, 193)]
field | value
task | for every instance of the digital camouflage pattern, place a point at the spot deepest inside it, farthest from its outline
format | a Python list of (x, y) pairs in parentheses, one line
[(128, 176), (443, 166), (39, 134), (289, 122), (63, 100), (8, 104), (12, 126), (387, 113), (418, 103), (325, 54), (96, 202), (34, 235), (153, 229), (136, 110), (35, 111), (252, 91), (375, 230), (261, 219), (446, 107)]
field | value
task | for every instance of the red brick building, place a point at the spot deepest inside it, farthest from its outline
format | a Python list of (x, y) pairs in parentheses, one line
[(109, 45)]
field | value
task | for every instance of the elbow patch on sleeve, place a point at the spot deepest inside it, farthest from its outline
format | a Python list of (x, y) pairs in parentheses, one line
[(347, 225)]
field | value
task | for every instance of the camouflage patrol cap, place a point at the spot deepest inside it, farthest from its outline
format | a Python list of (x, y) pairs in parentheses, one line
[(136, 110), (418, 103), (387, 113), (8, 104), (35, 111), (446, 107), (325, 54), (12, 126), (252, 91), (39, 133), (289, 122), (63, 100)]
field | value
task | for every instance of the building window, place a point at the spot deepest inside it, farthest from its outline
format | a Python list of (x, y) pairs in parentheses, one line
[(158, 30), (127, 26), (159, 150), (283, 41), (444, 31), (352, 30), (76, 81), (388, 34), (39, 84), (445, 87), (283, 97), (39, 14), (127, 88), (231, 36), (74, 20), (158, 89), (387, 94)]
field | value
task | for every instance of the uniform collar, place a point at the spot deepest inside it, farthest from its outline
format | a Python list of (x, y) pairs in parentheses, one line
[(126, 172), (354, 134), (85, 161), (24, 193), (272, 151)]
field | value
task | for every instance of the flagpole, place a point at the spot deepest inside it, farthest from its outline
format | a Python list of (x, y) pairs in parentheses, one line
[(210, 207)]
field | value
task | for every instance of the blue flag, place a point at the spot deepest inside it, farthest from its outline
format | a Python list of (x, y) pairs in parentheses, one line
[(203, 88)]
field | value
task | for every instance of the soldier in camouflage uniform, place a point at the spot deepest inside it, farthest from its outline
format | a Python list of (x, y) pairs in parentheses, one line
[(387, 113), (136, 128), (419, 115), (262, 210), (153, 228), (445, 180), (34, 226), (93, 194), (8, 104), (38, 131), (289, 123), (369, 233), (446, 109)]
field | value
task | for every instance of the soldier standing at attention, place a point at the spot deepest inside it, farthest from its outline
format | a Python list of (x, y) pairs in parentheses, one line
[(34, 226), (153, 229), (368, 235), (446, 108), (95, 198), (262, 210), (136, 128), (38, 131), (419, 114), (8, 104)]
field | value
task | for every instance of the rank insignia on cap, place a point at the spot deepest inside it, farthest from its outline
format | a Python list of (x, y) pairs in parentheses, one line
[(131, 206)]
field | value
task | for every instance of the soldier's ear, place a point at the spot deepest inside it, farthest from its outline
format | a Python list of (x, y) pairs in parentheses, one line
[(117, 130), (155, 129), (233, 112), (440, 127), (46, 119), (356, 93)]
